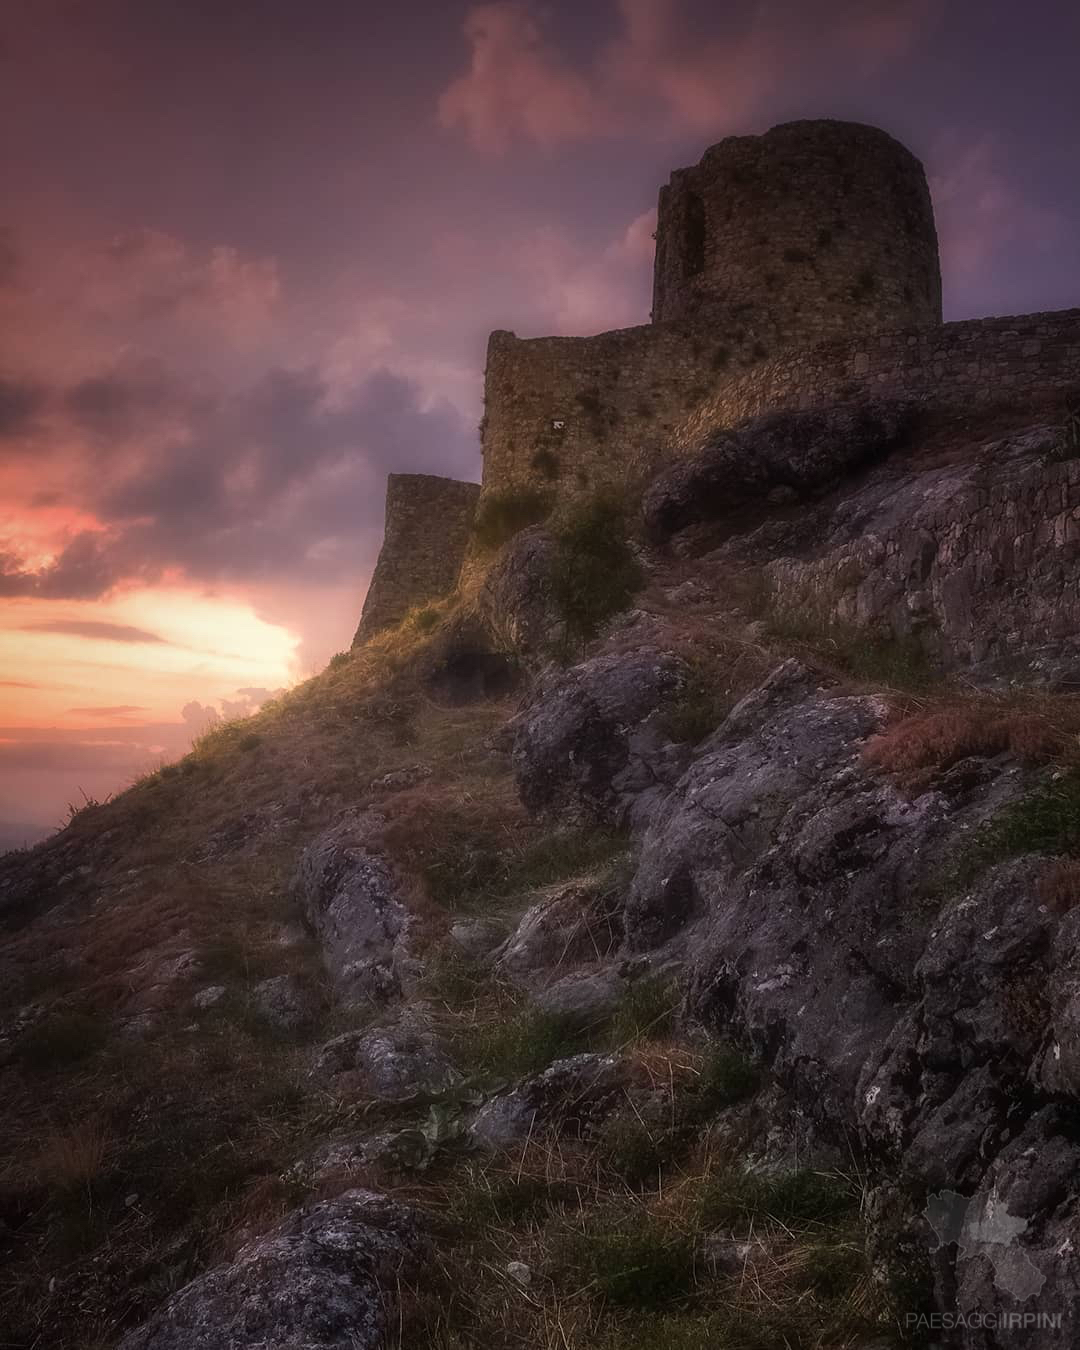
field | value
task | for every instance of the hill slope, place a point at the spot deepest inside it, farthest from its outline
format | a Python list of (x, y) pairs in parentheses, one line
[(648, 948)]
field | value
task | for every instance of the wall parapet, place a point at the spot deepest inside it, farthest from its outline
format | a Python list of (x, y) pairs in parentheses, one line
[(952, 366)]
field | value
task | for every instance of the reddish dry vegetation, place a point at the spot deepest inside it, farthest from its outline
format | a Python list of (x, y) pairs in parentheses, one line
[(1059, 886), (918, 747)]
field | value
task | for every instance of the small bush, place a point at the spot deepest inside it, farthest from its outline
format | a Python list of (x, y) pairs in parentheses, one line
[(424, 620), (338, 660), (594, 572), (501, 515), (632, 1260)]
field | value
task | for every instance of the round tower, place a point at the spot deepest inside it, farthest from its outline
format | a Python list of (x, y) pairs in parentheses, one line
[(811, 231)]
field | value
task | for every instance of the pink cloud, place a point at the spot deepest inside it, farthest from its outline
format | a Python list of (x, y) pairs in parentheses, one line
[(516, 83), (659, 74), (979, 212)]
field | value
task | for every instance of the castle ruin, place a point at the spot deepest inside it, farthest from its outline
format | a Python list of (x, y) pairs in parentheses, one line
[(792, 270)]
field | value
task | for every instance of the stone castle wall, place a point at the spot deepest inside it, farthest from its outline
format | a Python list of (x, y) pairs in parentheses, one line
[(428, 520), (770, 244), (813, 230), (568, 413), (954, 366)]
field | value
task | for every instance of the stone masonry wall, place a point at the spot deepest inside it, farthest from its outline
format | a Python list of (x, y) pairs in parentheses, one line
[(813, 230), (427, 532), (567, 413), (978, 362)]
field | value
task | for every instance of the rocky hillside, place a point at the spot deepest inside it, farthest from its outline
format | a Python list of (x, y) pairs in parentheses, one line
[(669, 941)]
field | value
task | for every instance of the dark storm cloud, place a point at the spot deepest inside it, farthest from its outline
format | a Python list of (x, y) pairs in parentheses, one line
[(9, 257), (92, 628), (20, 403), (82, 571), (116, 405), (270, 483)]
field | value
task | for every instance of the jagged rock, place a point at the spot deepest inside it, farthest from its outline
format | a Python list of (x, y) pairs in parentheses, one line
[(799, 872), (793, 453), (578, 922), (774, 746), (350, 896), (516, 600), (396, 1151), (284, 1003), (325, 1278), (1019, 1239), (979, 558), (477, 938), (392, 1063), (570, 1095), (588, 996), (589, 743)]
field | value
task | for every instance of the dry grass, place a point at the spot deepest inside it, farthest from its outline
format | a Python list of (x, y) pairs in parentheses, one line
[(1059, 886), (919, 746), (72, 1155)]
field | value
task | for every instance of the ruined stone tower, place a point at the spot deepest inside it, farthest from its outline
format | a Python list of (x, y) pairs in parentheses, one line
[(770, 246), (426, 534), (813, 230)]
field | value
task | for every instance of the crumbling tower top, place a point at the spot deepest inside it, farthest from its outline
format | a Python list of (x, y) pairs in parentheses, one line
[(813, 230)]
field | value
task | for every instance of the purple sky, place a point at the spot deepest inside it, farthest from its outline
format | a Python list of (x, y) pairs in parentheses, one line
[(250, 255)]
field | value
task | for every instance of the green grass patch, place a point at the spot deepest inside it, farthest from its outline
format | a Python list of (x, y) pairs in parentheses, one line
[(897, 662), (803, 1197), (629, 1259), (519, 1044), (467, 873), (1046, 821), (646, 1012)]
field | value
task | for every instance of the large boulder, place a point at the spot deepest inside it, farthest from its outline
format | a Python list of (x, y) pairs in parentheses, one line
[(771, 750), (788, 455), (590, 743), (517, 601), (325, 1279), (391, 1063), (350, 896)]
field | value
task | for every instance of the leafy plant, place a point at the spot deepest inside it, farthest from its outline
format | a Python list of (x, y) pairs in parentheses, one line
[(501, 515), (594, 571)]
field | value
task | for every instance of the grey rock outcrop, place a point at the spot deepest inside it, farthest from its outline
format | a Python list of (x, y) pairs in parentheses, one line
[(391, 1063), (570, 1095), (517, 601), (979, 558), (325, 1279), (589, 744), (350, 896), (787, 454)]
